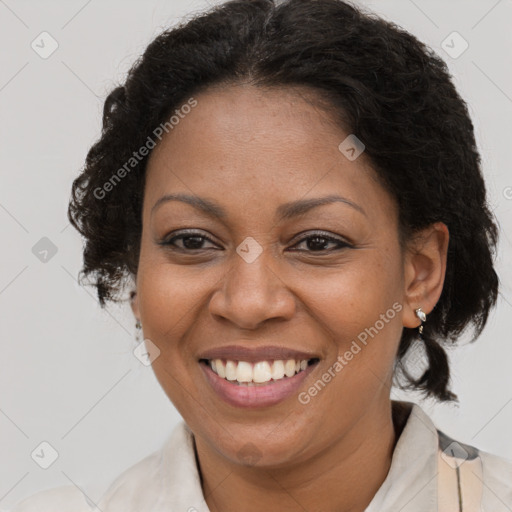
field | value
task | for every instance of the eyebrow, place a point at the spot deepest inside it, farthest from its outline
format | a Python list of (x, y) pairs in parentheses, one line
[(284, 212)]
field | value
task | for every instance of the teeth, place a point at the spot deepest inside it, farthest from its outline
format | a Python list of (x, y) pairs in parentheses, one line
[(244, 372), (220, 368), (277, 370), (257, 373), (289, 368), (262, 372), (231, 370)]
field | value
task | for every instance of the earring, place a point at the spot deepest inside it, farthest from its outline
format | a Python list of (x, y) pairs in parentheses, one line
[(423, 317), (138, 332)]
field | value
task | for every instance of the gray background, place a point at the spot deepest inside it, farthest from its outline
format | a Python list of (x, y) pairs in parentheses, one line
[(68, 375)]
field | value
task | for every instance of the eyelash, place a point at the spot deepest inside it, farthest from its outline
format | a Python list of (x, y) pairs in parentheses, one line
[(169, 243)]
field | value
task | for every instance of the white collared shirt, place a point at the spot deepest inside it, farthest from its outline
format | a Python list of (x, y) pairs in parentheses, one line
[(427, 466)]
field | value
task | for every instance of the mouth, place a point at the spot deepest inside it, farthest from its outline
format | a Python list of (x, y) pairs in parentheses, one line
[(259, 373), (258, 383)]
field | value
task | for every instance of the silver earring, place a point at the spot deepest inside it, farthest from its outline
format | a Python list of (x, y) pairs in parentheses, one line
[(423, 317), (138, 332)]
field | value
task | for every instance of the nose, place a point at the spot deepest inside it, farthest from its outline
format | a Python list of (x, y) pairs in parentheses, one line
[(251, 294)]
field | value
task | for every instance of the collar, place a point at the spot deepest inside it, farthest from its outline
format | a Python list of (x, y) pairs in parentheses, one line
[(411, 483)]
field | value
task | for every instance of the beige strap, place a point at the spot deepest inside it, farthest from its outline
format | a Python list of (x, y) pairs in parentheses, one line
[(460, 483)]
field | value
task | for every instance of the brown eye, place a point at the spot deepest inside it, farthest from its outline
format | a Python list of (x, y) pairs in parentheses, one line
[(190, 241), (319, 242)]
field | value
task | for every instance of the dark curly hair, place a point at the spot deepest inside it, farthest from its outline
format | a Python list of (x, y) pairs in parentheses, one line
[(379, 81)]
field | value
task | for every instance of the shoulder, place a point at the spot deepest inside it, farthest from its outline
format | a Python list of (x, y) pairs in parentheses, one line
[(496, 472), (473, 468), (158, 481), (136, 488), (494, 466), (133, 485), (64, 498), (497, 477)]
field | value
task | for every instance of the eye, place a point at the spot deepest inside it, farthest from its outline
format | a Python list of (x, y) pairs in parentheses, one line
[(190, 241), (318, 242)]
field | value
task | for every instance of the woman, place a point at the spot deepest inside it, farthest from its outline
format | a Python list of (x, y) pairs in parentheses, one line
[(294, 191)]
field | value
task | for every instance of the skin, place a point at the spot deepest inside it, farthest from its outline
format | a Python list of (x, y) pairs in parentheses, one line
[(250, 150)]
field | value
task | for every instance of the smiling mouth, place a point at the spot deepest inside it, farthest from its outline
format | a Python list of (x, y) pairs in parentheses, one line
[(260, 373)]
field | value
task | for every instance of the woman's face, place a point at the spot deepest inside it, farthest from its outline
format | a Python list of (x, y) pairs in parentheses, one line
[(264, 275)]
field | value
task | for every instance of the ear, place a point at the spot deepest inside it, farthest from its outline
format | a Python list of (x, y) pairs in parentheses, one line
[(134, 303), (424, 271)]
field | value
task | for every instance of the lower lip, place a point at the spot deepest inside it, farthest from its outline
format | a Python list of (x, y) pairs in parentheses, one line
[(256, 396)]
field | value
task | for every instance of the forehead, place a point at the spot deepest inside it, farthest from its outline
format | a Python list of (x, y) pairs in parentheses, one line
[(243, 144)]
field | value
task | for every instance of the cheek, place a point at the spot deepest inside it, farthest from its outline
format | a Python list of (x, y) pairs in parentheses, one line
[(358, 307), (165, 304), (354, 296), (168, 307), (171, 301), (171, 295)]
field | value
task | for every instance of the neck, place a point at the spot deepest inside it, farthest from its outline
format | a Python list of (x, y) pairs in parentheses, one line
[(342, 478)]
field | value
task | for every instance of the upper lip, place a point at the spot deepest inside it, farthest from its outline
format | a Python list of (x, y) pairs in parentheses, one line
[(255, 354)]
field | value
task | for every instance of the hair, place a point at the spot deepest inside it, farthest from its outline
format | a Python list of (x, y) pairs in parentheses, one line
[(381, 83)]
